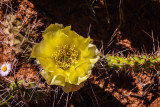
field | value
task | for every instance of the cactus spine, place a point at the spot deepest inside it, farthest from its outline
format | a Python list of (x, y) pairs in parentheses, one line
[(16, 34)]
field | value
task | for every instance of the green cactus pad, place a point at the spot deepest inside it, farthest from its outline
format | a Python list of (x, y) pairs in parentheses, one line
[(133, 63)]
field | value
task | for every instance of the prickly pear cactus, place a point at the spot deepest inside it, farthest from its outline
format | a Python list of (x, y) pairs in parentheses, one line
[(15, 33), (11, 30), (133, 63)]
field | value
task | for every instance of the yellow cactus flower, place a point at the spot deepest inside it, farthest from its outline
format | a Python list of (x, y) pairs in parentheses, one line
[(66, 57)]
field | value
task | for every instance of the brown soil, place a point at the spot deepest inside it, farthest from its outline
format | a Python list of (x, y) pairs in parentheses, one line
[(137, 19)]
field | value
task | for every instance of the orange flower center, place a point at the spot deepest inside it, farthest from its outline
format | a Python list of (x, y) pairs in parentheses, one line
[(4, 69)]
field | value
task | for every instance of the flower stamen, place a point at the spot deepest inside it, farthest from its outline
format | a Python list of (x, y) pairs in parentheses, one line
[(65, 56)]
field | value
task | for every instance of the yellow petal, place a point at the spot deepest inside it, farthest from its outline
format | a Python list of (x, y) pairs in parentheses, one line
[(58, 80), (46, 62), (72, 34), (52, 28), (41, 50), (46, 76), (53, 79), (71, 88), (81, 45), (80, 72), (58, 38)]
